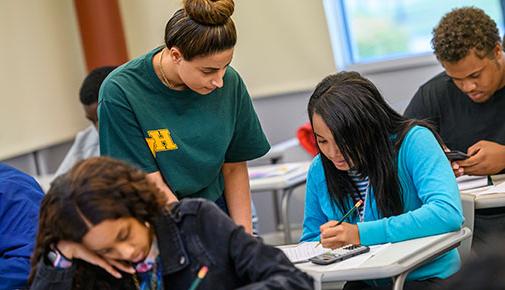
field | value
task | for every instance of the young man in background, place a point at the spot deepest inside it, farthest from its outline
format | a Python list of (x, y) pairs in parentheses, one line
[(466, 102)]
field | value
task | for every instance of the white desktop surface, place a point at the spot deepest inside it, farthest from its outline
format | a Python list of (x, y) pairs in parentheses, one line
[(488, 200), (280, 182), (397, 259)]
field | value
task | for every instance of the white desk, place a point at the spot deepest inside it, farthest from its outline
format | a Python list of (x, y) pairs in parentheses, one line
[(285, 183), (488, 200), (396, 261)]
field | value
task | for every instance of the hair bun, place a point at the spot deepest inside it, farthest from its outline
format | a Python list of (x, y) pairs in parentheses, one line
[(209, 12)]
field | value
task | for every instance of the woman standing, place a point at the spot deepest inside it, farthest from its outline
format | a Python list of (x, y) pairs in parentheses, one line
[(183, 115), (393, 164)]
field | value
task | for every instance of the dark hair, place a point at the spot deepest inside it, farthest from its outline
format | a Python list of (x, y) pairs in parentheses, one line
[(88, 94), (94, 190), (462, 30), (368, 132), (201, 28)]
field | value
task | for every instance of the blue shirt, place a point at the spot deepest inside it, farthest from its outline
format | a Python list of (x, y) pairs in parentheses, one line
[(20, 197), (432, 204)]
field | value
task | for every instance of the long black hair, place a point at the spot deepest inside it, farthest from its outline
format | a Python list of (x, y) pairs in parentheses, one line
[(368, 132)]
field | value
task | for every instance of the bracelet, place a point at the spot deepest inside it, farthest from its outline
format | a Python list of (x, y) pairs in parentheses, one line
[(57, 259)]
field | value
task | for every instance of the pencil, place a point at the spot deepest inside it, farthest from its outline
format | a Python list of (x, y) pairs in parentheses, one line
[(199, 278), (358, 204)]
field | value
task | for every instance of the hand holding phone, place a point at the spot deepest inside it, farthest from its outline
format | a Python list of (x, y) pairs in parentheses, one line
[(456, 155)]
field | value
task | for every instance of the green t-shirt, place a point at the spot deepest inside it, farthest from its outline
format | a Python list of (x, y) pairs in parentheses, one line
[(184, 135)]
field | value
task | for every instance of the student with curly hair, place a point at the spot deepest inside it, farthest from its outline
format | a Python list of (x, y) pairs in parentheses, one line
[(466, 102), (103, 225), (183, 114), (394, 165)]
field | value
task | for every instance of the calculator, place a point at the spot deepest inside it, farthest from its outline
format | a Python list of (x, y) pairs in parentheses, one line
[(339, 254)]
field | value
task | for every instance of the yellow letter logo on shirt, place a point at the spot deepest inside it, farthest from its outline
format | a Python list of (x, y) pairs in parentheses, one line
[(160, 140)]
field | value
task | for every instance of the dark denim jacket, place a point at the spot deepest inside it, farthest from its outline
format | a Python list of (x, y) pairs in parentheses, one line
[(193, 234)]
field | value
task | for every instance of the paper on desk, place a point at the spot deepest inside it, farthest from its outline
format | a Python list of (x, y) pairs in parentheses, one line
[(500, 188), (374, 250), (466, 182), (304, 251), (277, 170)]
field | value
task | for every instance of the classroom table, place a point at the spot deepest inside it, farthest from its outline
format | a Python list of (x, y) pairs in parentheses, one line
[(285, 184), (488, 200), (395, 261)]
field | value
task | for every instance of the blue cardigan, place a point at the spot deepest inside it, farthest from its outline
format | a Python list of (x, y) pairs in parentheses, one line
[(20, 197), (432, 204)]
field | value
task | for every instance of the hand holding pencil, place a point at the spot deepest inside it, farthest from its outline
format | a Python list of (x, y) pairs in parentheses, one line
[(336, 234)]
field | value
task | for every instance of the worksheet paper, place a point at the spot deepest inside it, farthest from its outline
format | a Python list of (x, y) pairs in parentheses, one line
[(304, 251), (500, 188), (467, 182)]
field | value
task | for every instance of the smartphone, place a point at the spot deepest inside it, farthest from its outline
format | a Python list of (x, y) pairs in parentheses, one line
[(456, 155), (339, 254)]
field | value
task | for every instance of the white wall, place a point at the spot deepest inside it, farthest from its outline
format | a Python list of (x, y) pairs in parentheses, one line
[(41, 70), (281, 47)]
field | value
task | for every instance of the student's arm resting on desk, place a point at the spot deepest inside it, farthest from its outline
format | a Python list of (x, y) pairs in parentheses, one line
[(237, 193), (422, 158), (61, 277), (314, 216)]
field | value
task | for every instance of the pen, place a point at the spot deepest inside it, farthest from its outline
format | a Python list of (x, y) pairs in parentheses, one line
[(199, 278), (358, 204)]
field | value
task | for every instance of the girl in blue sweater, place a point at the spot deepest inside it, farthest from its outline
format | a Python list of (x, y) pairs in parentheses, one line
[(396, 166)]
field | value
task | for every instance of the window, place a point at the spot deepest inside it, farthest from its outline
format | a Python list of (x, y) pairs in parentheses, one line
[(366, 31)]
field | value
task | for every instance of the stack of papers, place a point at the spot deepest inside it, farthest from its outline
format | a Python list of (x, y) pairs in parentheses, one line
[(467, 182), (500, 188)]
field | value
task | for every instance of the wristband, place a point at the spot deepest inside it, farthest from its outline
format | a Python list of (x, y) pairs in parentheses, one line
[(57, 259)]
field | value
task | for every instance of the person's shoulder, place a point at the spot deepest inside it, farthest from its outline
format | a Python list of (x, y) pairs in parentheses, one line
[(419, 137), (86, 143), (125, 74), (89, 132), (439, 80), (438, 86), (417, 133), (232, 72), (13, 181), (9, 173), (231, 76), (316, 170), (194, 206)]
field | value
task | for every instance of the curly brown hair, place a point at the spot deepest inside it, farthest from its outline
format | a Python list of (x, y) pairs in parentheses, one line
[(462, 30), (94, 190)]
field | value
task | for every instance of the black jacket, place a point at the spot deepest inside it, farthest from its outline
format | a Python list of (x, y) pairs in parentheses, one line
[(195, 233)]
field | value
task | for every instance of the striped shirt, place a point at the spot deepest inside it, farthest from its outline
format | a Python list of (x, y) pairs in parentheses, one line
[(361, 184)]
